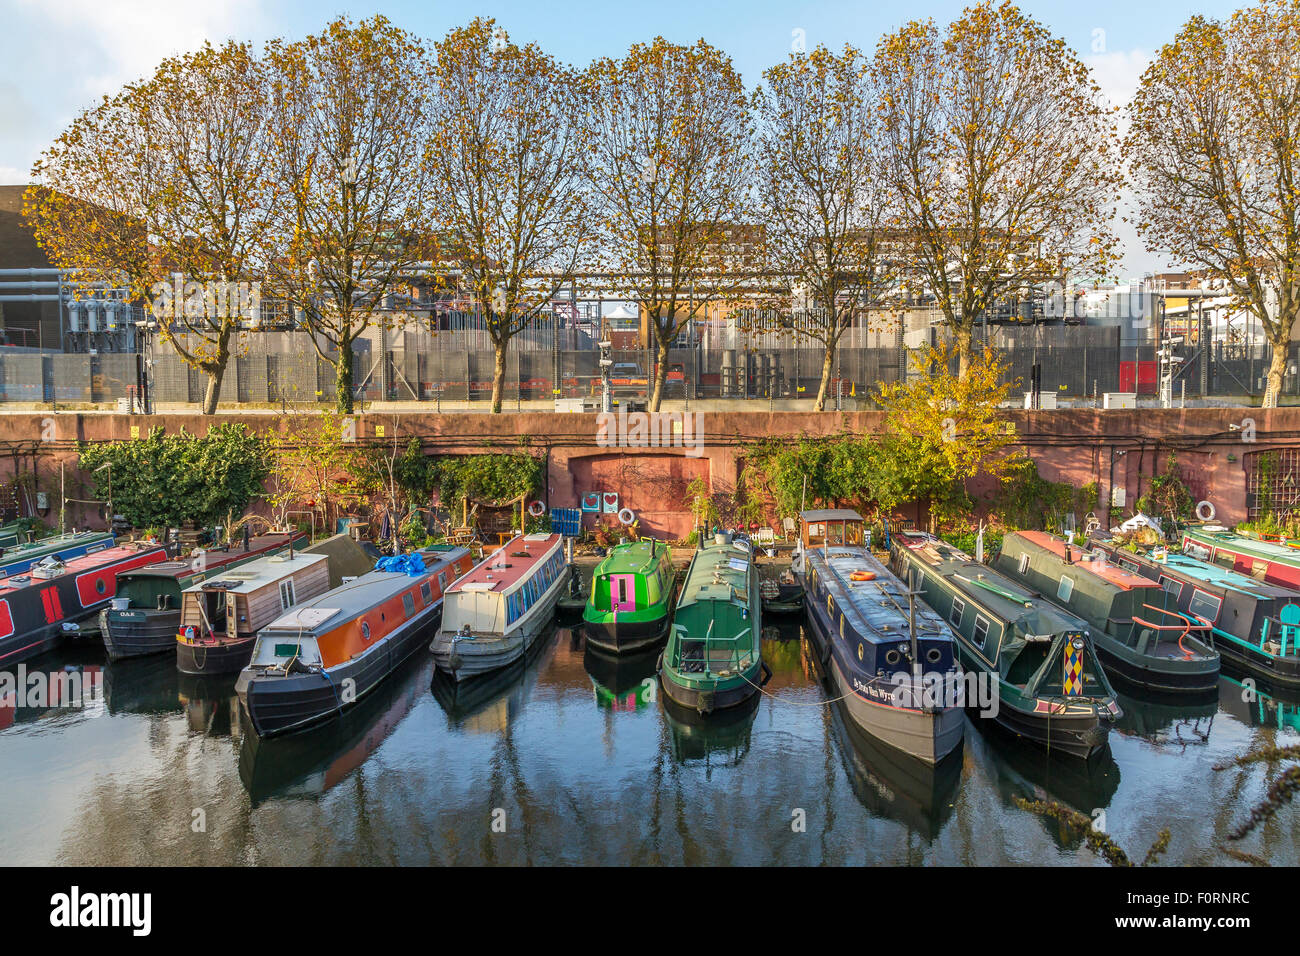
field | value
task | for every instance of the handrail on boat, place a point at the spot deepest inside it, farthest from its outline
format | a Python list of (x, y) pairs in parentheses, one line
[(709, 642), (1189, 624)]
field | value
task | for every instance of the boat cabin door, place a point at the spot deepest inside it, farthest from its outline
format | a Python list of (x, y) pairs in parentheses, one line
[(622, 592)]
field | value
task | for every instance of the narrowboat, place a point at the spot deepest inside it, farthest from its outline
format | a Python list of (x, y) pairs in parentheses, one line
[(1273, 561), (493, 615), (1139, 633), (323, 655), (631, 600), (713, 659), (220, 617), (1052, 691), (52, 598), (16, 557), (145, 615), (892, 662), (1255, 624)]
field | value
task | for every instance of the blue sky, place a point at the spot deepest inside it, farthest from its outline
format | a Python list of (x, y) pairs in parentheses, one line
[(60, 56)]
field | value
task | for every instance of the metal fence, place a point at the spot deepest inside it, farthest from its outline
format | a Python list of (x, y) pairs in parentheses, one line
[(284, 368)]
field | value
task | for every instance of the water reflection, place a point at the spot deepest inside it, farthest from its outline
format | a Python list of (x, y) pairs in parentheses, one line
[(311, 762), (592, 765)]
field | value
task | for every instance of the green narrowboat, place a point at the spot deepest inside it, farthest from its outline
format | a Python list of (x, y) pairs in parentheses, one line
[(631, 601), (1140, 634), (1051, 690), (713, 659)]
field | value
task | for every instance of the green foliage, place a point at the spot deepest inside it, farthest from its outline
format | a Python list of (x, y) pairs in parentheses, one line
[(1168, 496), (1028, 501), (964, 539), (484, 477), (414, 473), (163, 480)]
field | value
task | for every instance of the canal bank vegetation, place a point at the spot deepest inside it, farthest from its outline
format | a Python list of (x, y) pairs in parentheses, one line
[(163, 481)]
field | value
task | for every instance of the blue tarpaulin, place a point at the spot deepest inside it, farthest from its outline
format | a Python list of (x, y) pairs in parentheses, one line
[(412, 564)]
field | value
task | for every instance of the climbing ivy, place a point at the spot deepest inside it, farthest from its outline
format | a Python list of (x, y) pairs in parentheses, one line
[(1168, 496), (164, 480)]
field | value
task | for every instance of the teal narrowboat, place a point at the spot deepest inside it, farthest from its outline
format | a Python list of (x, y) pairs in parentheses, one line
[(713, 659)]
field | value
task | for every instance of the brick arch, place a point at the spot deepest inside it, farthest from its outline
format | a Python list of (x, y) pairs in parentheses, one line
[(652, 484)]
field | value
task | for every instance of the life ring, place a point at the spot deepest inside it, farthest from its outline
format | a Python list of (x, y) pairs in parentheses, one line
[(626, 516), (1200, 511), (862, 576), (537, 509)]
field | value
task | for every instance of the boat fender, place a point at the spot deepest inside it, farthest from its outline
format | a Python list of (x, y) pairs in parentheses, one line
[(862, 576), (626, 516), (537, 509), (1204, 507)]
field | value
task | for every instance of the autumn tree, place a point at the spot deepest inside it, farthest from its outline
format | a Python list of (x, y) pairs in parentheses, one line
[(1003, 156), (668, 166), (1214, 148), (940, 430), (168, 178), (826, 211), (349, 121), (507, 177)]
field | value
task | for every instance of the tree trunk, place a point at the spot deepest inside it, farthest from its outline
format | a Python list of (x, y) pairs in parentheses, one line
[(1276, 369), (343, 378), (828, 363), (661, 372), (498, 374), (213, 393), (965, 345)]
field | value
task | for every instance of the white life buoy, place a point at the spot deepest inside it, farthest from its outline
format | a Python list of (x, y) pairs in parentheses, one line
[(537, 509), (626, 516), (1202, 508)]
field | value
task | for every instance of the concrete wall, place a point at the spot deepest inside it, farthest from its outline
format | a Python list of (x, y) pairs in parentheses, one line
[(1074, 445)]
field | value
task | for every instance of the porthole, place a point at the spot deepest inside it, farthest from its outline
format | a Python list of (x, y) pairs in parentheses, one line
[(365, 631), (933, 655), (859, 652), (892, 657), (99, 585)]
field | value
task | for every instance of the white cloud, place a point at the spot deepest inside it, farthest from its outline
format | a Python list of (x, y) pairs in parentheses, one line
[(61, 56), (1118, 73)]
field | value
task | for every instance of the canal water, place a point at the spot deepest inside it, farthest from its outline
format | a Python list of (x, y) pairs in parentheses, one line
[(576, 759)]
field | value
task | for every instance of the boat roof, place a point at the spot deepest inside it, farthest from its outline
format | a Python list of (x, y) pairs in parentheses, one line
[(1222, 537), (630, 557), (1109, 572), (1210, 574), (213, 558), (52, 542), (718, 572), (509, 565), (356, 597), (878, 607), (86, 562), (830, 514), (1007, 600), (258, 573)]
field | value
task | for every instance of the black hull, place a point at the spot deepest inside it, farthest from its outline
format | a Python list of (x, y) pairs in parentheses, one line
[(156, 634), (1282, 673), (277, 705), (706, 701), (1082, 737), (228, 657), (1144, 678), (626, 638)]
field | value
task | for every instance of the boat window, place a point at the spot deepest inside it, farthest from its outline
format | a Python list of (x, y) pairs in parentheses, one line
[(286, 595), (841, 625), (981, 630), (1024, 564), (1173, 587), (1065, 589), (835, 532), (408, 602), (958, 609), (1225, 559), (425, 591), (1259, 569), (442, 581), (365, 631), (853, 533), (1205, 606)]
